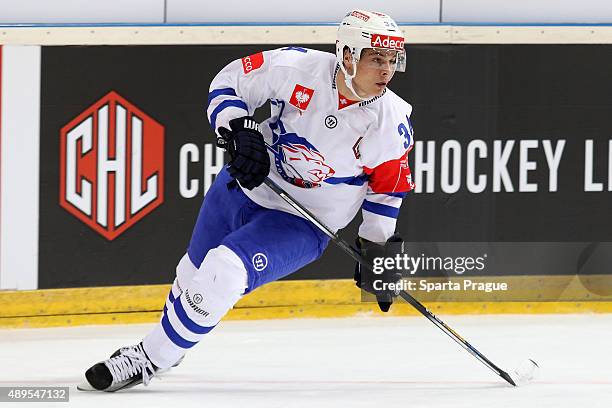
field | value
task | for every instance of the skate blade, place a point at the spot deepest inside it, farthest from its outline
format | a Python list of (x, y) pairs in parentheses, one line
[(85, 386)]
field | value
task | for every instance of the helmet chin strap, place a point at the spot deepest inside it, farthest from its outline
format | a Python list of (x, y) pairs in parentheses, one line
[(348, 79)]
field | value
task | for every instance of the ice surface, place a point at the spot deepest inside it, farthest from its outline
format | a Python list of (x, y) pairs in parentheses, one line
[(357, 362)]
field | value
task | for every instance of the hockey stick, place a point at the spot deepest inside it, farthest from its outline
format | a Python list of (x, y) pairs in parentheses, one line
[(526, 373)]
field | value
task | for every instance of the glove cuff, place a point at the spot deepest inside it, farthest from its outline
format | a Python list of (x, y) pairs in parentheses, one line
[(226, 136), (245, 122)]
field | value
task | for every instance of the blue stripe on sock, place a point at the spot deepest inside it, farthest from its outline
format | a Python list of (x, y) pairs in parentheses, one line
[(174, 336), (380, 209), (171, 297), (187, 322)]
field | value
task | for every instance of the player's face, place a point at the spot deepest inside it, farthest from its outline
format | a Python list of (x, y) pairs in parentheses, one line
[(375, 69)]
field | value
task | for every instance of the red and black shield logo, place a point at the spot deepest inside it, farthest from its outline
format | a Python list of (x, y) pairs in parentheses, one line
[(111, 165)]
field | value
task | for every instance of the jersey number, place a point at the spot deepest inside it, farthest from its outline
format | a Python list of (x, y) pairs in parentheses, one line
[(406, 132)]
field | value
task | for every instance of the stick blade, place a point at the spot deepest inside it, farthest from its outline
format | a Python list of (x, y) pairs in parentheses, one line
[(507, 377), (525, 373)]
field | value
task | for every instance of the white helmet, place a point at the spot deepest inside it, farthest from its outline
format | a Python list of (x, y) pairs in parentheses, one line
[(362, 29)]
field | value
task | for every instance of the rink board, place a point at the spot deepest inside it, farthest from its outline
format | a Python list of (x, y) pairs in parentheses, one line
[(468, 93), (293, 299), (464, 97)]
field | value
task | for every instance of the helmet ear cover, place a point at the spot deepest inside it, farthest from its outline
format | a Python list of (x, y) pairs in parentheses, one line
[(351, 72)]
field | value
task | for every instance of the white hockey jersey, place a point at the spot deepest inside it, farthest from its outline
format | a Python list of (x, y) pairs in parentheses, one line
[(332, 156)]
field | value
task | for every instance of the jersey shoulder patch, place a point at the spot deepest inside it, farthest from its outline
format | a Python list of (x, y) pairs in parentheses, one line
[(252, 62)]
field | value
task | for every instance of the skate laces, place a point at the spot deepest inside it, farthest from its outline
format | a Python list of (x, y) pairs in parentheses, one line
[(132, 361)]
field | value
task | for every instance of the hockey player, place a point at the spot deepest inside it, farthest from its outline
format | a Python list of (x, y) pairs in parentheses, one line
[(337, 140)]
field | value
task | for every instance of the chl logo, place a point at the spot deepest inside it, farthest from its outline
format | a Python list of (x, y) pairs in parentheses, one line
[(111, 166)]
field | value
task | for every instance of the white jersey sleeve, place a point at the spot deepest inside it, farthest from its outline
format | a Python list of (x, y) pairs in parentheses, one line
[(384, 154), (239, 88)]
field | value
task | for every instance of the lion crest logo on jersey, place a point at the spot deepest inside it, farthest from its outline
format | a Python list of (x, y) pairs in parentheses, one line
[(301, 97), (299, 162)]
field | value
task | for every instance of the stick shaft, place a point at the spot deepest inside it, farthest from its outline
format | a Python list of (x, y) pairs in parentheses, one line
[(354, 253)]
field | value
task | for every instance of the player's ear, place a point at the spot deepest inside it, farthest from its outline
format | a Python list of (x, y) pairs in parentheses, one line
[(347, 59)]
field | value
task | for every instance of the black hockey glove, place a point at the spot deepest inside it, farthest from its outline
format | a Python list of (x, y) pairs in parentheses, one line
[(375, 283), (249, 161)]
